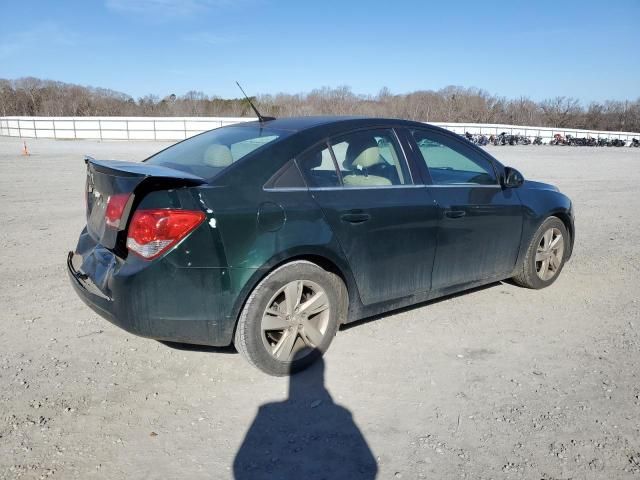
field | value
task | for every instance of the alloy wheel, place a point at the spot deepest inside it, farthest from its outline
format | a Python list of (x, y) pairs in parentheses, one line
[(296, 320), (549, 254)]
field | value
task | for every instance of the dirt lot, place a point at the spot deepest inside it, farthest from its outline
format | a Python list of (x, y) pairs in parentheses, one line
[(501, 382)]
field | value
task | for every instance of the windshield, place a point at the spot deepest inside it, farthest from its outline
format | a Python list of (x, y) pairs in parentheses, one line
[(209, 153)]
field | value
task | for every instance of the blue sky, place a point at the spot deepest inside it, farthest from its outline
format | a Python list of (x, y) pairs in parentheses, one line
[(584, 49)]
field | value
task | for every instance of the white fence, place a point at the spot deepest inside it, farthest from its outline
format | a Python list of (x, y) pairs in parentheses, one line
[(112, 128), (179, 128)]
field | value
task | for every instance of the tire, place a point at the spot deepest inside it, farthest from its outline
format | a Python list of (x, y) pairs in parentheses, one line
[(298, 326), (531, 273)]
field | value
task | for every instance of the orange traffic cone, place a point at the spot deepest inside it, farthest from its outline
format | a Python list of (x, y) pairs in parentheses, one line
[(25, 150)]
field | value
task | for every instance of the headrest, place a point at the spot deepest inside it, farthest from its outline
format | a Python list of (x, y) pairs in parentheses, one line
[(217, 155), (367, 158), (363, 152)]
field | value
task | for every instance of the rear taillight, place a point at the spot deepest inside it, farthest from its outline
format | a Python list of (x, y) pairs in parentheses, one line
[(153, 232), (115, 207)]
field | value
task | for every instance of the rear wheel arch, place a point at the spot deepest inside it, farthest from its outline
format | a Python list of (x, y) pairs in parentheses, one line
[(326, 264), (291, 317), (323, 261)]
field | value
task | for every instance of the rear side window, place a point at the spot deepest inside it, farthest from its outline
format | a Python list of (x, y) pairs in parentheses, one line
[(368, 158), (208, 154), (450, 163)]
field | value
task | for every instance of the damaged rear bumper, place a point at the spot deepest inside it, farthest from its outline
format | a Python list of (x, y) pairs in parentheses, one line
[(157, 301)]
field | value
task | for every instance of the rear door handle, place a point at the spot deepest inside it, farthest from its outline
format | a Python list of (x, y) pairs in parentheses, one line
[(355, 217), (455, 213)]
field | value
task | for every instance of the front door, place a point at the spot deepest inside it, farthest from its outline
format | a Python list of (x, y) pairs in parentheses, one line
[(385, 224), (481, 223)]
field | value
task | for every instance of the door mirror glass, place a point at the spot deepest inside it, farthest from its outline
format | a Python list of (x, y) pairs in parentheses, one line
[(512, 178)]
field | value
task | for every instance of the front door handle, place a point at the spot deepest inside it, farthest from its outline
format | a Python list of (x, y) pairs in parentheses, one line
[(355, 217), (455, 213)]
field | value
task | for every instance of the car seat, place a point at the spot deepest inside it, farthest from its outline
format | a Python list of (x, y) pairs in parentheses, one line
[(364, 164)]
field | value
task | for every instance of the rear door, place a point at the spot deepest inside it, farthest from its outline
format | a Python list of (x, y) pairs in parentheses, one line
[(384, 222), (481, 223)]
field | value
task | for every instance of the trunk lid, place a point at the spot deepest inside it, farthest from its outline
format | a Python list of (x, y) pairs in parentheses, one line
[(114, 188)]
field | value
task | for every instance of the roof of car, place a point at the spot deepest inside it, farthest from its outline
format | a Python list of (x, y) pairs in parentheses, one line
[(301, 123)]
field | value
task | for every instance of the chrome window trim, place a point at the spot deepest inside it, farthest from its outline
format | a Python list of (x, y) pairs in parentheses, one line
[(380, 187), (286, 189), (466, 185), (370, 187)]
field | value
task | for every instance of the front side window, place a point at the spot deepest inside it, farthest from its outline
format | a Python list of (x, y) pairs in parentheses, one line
[(208, 154), (452, 164)]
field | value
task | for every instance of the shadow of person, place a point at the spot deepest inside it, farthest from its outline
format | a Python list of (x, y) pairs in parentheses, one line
[(306, 436)]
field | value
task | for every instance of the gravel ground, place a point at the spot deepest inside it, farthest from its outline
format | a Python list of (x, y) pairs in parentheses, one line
[(499, 382)]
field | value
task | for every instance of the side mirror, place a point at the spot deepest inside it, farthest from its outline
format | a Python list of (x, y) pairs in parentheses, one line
[(512, 178)]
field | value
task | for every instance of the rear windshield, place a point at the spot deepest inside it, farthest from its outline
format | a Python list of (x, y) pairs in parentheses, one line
[(209, 153)]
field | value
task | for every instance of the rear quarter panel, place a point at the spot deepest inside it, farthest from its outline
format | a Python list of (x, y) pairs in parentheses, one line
[(261, 229)]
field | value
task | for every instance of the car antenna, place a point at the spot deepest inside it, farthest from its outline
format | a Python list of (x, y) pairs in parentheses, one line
[(261, 119)]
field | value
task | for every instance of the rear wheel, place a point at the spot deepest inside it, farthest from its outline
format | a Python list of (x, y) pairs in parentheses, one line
[(291, 317), (545, 256)]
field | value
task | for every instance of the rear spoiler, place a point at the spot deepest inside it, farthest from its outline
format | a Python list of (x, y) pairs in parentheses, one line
[(122, 168)]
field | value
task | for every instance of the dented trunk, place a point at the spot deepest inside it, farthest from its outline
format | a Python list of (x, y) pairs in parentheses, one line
[(114, 188), (181, 294)]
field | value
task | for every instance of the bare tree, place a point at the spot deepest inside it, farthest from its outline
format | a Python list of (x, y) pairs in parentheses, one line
[(33, 96), (559, 111)]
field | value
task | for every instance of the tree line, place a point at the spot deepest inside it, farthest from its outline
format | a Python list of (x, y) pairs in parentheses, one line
[(36, 97)]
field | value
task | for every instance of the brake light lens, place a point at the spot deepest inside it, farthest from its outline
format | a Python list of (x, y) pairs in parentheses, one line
[(153, 232), (115, 207)]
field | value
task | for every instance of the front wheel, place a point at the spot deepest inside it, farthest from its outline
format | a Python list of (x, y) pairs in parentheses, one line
[(545, 256), (291, 317)]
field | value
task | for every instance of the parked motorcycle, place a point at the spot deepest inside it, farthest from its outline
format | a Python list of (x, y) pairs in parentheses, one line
[(504, 138)]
